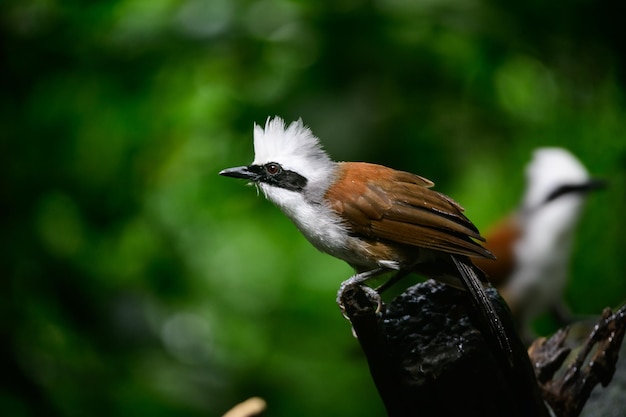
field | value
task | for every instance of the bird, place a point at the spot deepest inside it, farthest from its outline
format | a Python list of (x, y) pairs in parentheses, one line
[(375, 218), (533, 245)]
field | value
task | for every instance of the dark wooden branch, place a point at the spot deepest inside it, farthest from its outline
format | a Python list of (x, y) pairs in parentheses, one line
[(567, 379), (428, 356)]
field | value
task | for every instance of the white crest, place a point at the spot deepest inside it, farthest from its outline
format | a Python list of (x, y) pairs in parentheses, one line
[(549, 169), (294, 147)]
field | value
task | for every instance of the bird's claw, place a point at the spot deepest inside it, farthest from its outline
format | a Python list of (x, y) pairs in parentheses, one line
[(371, 294)]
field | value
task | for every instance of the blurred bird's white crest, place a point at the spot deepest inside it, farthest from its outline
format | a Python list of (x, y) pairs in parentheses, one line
[(549, 169)]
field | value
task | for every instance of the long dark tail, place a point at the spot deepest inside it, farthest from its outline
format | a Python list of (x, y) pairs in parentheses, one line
[(472, 283)]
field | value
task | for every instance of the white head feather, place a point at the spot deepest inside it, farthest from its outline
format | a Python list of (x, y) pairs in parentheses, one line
[(294, 147), (550, 168)]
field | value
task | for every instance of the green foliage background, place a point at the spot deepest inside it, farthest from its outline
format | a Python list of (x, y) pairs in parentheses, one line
[(135, 281)]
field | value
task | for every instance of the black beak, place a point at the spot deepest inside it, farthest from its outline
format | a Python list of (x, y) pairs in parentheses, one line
[(594, 184), (239, 172)]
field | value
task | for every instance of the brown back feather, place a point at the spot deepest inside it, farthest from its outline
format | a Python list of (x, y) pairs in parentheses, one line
[(406, 211)]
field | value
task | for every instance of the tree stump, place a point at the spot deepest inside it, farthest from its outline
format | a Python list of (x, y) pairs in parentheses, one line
[(429, 356)]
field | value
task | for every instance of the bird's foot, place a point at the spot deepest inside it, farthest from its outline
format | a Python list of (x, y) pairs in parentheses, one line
[(359, 280)]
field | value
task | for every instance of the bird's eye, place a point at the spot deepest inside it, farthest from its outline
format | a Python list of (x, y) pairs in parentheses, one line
[(272, 168)]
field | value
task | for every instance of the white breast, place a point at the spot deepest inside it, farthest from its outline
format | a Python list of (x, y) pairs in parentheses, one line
[(319, 224)]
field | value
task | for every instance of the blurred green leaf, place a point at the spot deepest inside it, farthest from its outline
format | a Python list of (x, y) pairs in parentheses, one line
[(138, 281)]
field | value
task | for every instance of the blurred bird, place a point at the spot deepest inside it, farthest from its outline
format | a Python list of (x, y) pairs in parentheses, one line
[(533, 245), (375, 218)]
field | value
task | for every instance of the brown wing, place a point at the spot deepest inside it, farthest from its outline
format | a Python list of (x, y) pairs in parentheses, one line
[(405, 211), (500, 242)]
